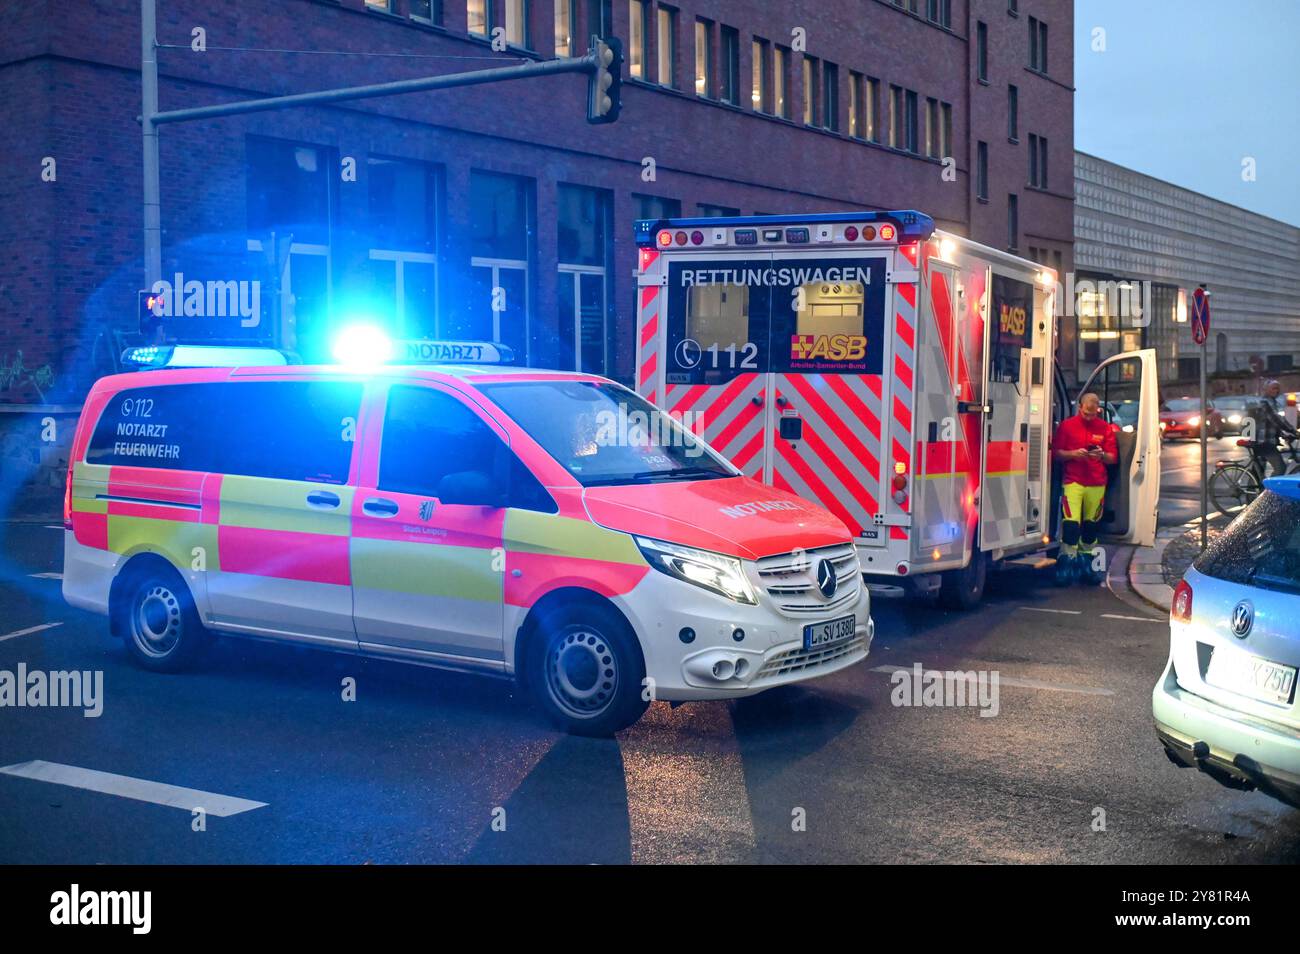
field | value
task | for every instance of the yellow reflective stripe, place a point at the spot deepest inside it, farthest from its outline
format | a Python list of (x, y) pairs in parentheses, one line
[(528, 531), (88, 505), (189, 546), (429, 569), (262, 503)]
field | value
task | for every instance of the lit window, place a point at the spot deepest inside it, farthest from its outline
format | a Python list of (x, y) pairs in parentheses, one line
[(636, 51), (667, 46), (563, 27)]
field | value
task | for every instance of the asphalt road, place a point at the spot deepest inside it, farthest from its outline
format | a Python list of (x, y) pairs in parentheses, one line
[(420, 766), (1180, 475)]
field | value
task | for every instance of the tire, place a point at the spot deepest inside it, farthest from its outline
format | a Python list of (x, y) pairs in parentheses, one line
[(155, 616), (964, 589), (585, 670), (1232, 486)]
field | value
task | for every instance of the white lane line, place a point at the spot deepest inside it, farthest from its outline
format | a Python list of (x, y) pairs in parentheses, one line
[(142, 790), (51, 526), (1017, 681), (1136, 619), (28, 631), (1044, 609), (46, 576)]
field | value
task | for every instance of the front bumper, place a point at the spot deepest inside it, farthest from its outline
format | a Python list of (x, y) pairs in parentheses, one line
[(717, 665), (1237, 749)]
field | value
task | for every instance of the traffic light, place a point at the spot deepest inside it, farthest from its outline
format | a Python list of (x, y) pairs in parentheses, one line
[(150, 309), (606, 84)]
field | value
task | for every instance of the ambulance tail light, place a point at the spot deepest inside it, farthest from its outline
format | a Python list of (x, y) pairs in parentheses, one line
[(681, 238), (665, 238), (868, 233), (887, 232), (647, 256), (697, 237), (900, 482), (851, 233), (67, 499)]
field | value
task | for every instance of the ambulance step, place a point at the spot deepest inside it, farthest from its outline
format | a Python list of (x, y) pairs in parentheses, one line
[(1035, 562)]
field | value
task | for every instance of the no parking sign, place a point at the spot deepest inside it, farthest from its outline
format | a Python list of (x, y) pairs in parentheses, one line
[(1200, 315)]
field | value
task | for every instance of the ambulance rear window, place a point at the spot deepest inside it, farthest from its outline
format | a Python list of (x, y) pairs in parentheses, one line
[(292, 430)]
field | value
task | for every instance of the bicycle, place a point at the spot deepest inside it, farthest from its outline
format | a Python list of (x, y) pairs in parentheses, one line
[(1235, 484)]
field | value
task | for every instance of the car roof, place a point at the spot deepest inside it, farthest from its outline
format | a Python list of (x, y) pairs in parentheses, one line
[(1287, 486), (471, 374)]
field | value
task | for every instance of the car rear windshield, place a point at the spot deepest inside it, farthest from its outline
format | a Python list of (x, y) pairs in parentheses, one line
[(604, 434), (293, 430), (1260, 548), (1182, 404)]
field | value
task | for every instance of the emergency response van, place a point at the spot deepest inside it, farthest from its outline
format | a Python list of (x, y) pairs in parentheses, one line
[(549, 526), (900, 376)]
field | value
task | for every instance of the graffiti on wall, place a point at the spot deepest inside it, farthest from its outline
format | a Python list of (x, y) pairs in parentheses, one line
[(14, 374)]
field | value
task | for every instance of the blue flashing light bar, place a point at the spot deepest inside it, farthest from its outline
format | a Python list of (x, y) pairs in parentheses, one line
[(153, 357), (912, 226)]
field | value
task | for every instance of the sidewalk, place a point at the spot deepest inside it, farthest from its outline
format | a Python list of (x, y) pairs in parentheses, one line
[(1154, 571)]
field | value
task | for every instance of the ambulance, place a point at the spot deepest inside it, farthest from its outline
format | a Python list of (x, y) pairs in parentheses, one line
[(554, 528), (900, 376)]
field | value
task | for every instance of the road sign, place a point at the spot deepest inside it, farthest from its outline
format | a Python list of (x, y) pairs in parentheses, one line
[(1200, 315)]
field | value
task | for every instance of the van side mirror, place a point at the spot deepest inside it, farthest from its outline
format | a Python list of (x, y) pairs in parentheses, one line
[(472, 488)]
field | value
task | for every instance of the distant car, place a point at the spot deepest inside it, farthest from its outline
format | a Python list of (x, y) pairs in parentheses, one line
[(1181, 417), (1234, 408), (1226, 703)]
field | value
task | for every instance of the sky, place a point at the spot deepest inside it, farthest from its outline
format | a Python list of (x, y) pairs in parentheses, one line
[(1185, 90)]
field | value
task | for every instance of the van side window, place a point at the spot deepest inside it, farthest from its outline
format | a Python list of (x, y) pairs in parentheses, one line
[(429, 434), (291, 430)]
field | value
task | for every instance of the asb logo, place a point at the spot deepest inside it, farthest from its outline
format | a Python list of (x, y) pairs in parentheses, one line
[(828, 347)]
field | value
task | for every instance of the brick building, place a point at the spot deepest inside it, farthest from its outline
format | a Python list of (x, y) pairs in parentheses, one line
[(495, 211)]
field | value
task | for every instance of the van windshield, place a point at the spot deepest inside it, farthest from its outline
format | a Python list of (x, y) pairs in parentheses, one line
[(604, 434)]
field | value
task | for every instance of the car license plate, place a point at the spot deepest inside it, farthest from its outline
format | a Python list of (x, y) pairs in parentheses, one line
[(1251, 676), (817, 635)]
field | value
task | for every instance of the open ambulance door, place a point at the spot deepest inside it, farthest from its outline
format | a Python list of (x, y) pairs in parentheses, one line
[(1129, 392)]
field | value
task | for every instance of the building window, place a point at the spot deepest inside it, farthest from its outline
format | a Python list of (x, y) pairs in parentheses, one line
[(760, 94), (730, 51), (1037, 45), (912, 143), (501, 223), (655, 207), (1013, 114), (781, 81), (384, 5), (940, 12), (895, 116), (517, 24), (563, 27), (427, 11), (830, 111), (479, 16), (1013, 7), (636, 39), (583, 257), (703, 57), (666, 45), (1037, 161), (855, 105), (403, 245), (982, 171), (811, 73), (945, 129), (600, 17), (717, 211), (932, 127), (1013, 221), (982, 52)]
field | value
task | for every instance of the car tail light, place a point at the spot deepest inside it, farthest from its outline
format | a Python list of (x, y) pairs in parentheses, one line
[(1242, 442), (1181, 607), (67, 500)]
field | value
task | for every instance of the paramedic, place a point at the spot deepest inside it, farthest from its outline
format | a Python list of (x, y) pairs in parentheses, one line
[(1085, 445)]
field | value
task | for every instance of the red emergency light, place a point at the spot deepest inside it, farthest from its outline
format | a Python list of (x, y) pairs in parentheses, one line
[(887, 232)]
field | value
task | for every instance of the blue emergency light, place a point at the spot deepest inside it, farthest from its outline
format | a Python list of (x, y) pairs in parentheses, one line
[(154, 357), (911, 226)]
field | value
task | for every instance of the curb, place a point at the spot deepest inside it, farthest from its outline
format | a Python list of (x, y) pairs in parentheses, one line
[(1146, 575)]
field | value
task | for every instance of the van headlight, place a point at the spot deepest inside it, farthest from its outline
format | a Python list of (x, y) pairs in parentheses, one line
[(722, 574)]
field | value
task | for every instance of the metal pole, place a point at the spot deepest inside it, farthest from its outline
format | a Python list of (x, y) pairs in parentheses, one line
[(1205, 428), (149, 140)]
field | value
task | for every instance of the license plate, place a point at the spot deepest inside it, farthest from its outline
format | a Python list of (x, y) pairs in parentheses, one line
[(1251, 676), (818, 635)]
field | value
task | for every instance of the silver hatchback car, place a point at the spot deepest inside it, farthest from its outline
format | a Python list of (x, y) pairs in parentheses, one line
[(1226, 703)]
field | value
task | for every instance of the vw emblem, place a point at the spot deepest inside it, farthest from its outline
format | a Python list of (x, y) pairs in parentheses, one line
[(1243, 618), (826, 581)]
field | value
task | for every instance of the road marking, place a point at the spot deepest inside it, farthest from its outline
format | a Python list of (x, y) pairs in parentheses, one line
[(1136, 619), (671, 822), (46, 576), (1044, 609), (29, 630), (139, 789), (54, 527), (1018, 681)]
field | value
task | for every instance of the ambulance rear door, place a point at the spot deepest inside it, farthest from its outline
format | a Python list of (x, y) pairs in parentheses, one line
[(715, 351), (829, 345), (1128, 384)]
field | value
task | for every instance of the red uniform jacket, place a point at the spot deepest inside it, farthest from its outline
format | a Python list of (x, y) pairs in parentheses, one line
[(1074, 433)]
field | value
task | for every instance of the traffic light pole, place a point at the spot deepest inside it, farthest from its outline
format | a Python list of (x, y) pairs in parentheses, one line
[(596, 61)]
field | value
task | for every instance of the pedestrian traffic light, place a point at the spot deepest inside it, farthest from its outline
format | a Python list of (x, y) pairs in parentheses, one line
[(606, 84)]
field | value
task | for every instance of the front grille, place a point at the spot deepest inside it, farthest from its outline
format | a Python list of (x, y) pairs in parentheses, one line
[(790, 580), (798, 660)]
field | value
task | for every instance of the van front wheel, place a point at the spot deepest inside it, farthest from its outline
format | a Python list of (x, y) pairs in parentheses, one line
[(156, 616), (586, 670)]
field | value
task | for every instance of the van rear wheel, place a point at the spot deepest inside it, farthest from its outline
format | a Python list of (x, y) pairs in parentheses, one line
[(963, 589), (155, 614), (586, 671)]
